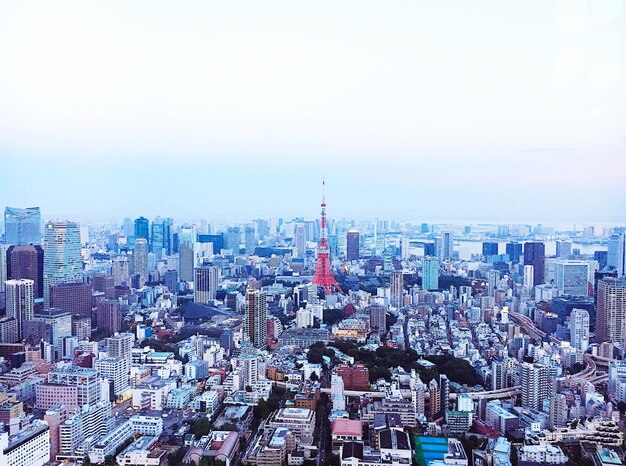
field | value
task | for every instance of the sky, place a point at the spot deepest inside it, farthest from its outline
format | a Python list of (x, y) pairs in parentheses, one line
[(411, 110)]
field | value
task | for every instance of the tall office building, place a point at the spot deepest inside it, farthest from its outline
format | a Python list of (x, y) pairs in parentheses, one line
[(60, 323), (579, 329), (141, 228), (22, 226), (611, 311), (563, 249), (447, 246), (206, 283), (616, 253), (140, 259), (535, 255), (186, 237), (62, 262), (378, 317), (396, 282), (3, 266), (490, 249), (405, 246), (20, 302), (558, 411), (299, 234), (529, 276), (256, 317), (74, 298), (120, 268), (109, 316), (157, 237), (249, 240), (352, 245), (233, 239), (572, 277), (430, 273), (534, 385), (26, 261), (514, 251), (493, 279)]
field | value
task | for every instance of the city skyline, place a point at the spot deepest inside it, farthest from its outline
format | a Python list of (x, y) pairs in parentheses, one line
[(443, 115)]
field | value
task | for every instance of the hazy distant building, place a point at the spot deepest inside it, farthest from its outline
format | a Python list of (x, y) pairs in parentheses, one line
[(535, 255), (490, 249), (256, 317), (299, 234), (22, 226), (514, 251), (352, 245), (186, 254), (26, 261), (62, 262), (249, 240), (141, 228), (20, 302), (233, 239), (563, 249)]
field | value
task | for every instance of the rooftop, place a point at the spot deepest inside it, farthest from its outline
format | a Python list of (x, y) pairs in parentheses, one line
[(347, 427)]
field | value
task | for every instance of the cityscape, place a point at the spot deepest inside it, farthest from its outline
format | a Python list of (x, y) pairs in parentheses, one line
[(311, 341), (330, 233)]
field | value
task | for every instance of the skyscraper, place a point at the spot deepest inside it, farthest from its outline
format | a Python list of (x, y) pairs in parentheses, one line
[(233, 239), (20, 302), (534, 385), (140, 259), (74, 298), (3, 266), (186, 254), (157, 237), (514, 251), (299, 234), (572, 277), (22, 226), (60, 323), (490, 249), (26, 261), (141, 228), (256, 317), (109, 316), (396, 282), (206, 283), (616, 253), (579, 329), (62, 262), (249, 240), (352, 245), (611, 311), (535, 255), (529, 276), (430, 273), (563, 249)]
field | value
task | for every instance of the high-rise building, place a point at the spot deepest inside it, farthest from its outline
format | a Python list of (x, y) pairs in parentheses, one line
[(378, 316), (121, 270), (140, 259), (3, 266), (60, 323), (141, 228), (534, 385), (206, 283), (109, 316), (22, 226), (396, 281), (186, 254), (529, 276), (233, 239), (81, 327), (20, 302), (611, 311), (563, 249), (616, 253), (299, 234), (352, 245), (572, 277), (514, 251), (74, 298), (62, 262), (490, 249), (579, 329), (26, 261), (157, 237), (405, 246), (448, 246), (256, 317), (249, 240), (430, 273), (535, 255), (558, 411)]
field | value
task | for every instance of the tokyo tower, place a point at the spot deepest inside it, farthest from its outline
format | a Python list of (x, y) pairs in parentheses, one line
[(323, 274)]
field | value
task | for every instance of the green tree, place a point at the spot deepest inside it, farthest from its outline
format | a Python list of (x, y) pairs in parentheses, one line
[(86, 461), (261, 410), (204, 461), (314, 377)]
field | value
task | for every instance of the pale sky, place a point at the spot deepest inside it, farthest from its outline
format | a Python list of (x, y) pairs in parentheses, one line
[(415, 110)]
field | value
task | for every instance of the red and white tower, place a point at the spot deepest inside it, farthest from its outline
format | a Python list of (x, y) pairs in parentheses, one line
[(323, 273)]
